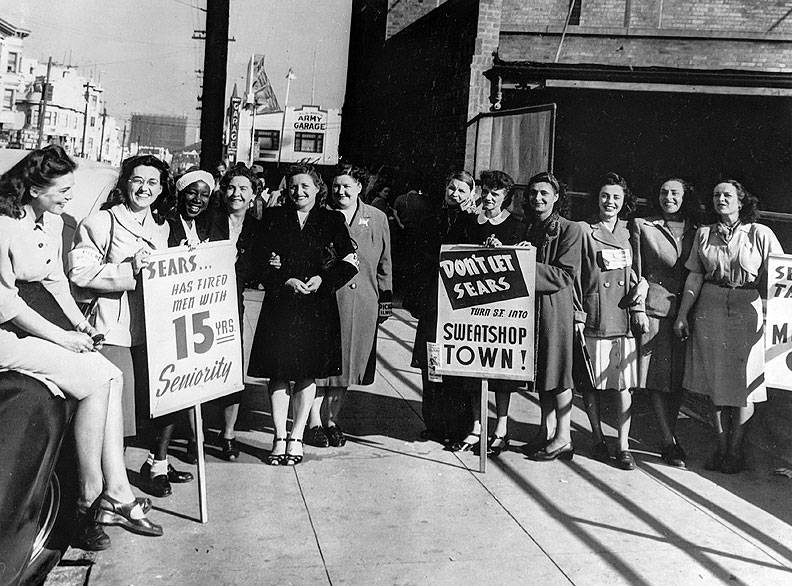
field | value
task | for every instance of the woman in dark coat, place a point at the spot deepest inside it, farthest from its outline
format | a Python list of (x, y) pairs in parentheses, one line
[(662, 244), (362, 303), (558, 248), (298, 333), (446, 405), (234, 221)]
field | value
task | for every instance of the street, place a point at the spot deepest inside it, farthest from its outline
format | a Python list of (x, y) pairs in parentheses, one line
[(390, 509)]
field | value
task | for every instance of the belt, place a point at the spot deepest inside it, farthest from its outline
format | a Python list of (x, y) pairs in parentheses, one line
[(727, 285)]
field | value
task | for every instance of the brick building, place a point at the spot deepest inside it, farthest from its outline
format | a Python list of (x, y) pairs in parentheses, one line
[(649, 88)]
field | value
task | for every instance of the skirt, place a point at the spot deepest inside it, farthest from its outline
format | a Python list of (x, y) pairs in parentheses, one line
[(661, 356), (724, 358), (615, 362), (121, 357)]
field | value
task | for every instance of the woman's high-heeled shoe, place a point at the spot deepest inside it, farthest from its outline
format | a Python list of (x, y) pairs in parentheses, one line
[(466, 446), (292, 459), (113, 512), (272, 458), (497, 444), (565, 452)]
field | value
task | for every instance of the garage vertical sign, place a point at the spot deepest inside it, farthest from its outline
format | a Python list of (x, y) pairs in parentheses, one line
[(778, 330)]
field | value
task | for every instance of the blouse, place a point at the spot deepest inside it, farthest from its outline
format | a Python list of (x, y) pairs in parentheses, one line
[(30, 250), (738, 261)]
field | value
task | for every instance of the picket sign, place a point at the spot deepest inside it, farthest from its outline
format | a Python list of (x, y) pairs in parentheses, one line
[(485, 317), (778, 328), (193, 334)]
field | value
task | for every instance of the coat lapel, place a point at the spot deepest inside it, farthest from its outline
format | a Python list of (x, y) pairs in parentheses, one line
[(146, 231), (616, 239)]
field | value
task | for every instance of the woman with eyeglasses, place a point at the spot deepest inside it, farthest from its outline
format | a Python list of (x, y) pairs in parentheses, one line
[(110, 249)]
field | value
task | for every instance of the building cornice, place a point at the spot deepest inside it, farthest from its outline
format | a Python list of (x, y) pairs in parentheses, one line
[(653, 33)]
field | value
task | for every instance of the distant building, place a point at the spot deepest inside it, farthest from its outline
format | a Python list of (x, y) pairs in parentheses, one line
[(310, 133), (152, 130), (12, 80)]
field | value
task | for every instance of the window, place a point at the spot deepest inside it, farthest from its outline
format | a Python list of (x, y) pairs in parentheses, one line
[(308, 142), (8, 99), (268, 140), (93, 121), (12, 64), (574, 17), (51, 118)]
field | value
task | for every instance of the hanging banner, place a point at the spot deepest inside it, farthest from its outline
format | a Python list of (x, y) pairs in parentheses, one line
[(193, 333), (778, 328), (260, 88), (485, 312)]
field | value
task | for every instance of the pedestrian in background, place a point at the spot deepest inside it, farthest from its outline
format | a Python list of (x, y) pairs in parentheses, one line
[(607, 279), (662, 244), (445, 405), (558, 244), (298, 334), (725, 354), (363, 303)]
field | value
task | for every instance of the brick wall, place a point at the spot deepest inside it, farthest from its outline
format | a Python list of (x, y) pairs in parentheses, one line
[(759, 16), (402, 13), (679, 52)]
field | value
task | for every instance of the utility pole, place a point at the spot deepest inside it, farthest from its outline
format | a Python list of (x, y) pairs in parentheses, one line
[(88, 88), (101, 140), (123, 141), (43, 105), (213, 98), (289, 76)]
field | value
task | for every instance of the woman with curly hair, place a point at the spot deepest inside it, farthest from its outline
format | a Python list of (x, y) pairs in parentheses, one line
[(298, 335), (725, 333), (63, 355), (662, 243), (110, 249), (607, 280), (558, 248)]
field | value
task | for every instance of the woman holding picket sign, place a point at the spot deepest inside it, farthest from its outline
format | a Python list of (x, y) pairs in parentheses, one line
[(493, 226), (111, 247)]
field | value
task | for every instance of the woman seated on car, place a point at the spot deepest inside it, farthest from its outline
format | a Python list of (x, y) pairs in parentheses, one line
[(33, 194)]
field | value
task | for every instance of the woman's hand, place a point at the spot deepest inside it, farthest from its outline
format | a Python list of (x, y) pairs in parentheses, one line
[(140, 260), (275, 261), (523, 244), (640, 322), (75, 341), (314, 283), (681, 327), (492, 241), (297, 286)]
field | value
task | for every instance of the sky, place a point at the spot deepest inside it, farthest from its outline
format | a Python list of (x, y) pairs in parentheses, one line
[(144, 54)]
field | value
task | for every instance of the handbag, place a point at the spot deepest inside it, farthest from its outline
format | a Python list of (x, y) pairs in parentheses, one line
[(87, 298), (582, 369)]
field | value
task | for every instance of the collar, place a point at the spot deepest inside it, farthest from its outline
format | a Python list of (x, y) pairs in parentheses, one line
[(29, 217), (499, 219)]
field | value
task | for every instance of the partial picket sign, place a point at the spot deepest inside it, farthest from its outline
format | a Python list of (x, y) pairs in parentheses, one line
[(193, 332), (778, 327), (485, 312)]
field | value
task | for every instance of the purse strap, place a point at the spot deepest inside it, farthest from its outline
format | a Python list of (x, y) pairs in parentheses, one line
[(112, 232)]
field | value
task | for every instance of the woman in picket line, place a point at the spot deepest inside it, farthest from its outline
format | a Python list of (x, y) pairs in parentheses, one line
[(445, 405), (33, 194), (558, 244), (235, 221), (607, 281), (298, 335), (362, 303), (110, 249), (662, 244), (725, 355), (493, 226)]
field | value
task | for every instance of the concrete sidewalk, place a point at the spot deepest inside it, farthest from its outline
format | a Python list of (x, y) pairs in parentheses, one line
[(390, 509)]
